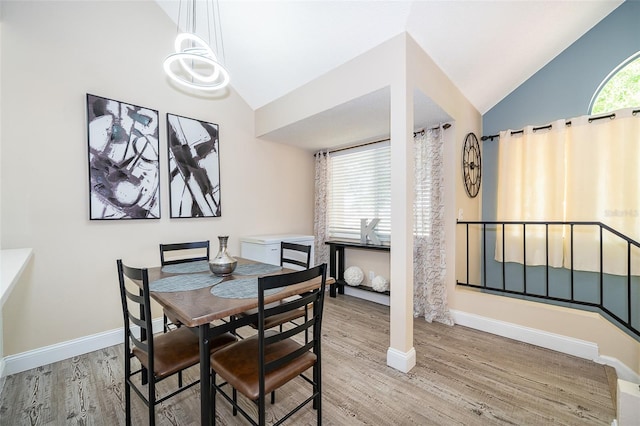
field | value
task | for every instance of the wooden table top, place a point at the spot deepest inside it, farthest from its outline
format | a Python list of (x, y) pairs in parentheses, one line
[(197, 307)]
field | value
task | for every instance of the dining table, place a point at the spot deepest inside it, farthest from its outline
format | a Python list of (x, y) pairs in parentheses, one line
[(195, 297)]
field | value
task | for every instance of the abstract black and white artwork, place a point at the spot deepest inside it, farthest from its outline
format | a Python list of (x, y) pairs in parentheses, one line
[(124, 172), (194, 167)]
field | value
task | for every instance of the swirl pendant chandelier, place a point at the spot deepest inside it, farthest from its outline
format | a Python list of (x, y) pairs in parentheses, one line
[(194, 63)]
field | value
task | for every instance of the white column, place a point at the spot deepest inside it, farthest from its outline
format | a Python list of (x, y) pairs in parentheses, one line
[(628, 404), (401, 355)]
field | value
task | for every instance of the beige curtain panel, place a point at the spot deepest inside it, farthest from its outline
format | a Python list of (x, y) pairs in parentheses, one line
[(588, 171), (603, 184), (531, 188)]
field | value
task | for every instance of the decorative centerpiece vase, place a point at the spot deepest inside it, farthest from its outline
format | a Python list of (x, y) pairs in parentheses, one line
[(223, 264)]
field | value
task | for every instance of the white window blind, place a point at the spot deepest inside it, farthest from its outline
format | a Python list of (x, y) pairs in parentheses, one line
[(360, 189)]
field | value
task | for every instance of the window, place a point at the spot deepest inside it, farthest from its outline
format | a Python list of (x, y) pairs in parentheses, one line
[(621, 88), (360, 189)]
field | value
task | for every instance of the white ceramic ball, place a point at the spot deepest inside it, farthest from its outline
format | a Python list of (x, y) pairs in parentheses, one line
[(353, 275), (380, 283)]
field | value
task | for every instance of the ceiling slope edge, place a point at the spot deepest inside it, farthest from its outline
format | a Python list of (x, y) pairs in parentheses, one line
[(362, 75)]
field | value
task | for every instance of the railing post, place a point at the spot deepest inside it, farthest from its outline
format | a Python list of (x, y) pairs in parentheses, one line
[(524, 257), (504, 252), (467, 253), (484, 254), (546, 249), (629, 284), (601, 269), (571, 254)]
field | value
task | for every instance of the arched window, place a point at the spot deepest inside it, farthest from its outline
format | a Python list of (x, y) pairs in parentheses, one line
[(621, 88)]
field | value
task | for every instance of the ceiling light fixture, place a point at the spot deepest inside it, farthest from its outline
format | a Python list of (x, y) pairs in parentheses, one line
[(194, 63)]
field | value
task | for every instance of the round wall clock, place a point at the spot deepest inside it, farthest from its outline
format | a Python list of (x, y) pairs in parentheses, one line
[(471, 165)]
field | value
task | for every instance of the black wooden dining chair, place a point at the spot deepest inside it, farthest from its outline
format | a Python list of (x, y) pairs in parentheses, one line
[(290, 254), (160, 356), (295, 254), (184, 252), (281, 356)]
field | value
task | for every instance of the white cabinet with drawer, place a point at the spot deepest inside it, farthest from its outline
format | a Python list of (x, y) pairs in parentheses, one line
[(266, 248)]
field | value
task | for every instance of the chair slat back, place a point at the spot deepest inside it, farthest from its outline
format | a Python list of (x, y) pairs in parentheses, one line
[(314, 298), (136, 309), (196, 250), (295, 254)]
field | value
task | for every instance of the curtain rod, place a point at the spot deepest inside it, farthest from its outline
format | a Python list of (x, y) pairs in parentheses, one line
[(358, 146), (567, 123), (444, 126)]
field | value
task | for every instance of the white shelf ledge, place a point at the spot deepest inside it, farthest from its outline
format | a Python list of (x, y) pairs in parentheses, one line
[(12, 264)]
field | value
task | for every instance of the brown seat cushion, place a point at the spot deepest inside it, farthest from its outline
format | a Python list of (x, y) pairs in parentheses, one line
[(238, 365), (179, 349), (275, 320)]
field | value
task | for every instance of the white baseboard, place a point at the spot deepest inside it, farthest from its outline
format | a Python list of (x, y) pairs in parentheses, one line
[(622, 370), (399, 360), (64, 350), (371, 296), (403, 361), (556, 342)]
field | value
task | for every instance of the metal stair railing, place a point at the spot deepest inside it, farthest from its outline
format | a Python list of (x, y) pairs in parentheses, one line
[(626, 322)]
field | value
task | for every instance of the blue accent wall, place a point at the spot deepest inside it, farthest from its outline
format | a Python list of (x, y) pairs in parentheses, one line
[(564, 87), (561, 89)]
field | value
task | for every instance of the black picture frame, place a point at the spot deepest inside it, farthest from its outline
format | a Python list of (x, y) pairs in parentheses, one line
[(194, 167), (124, 161)]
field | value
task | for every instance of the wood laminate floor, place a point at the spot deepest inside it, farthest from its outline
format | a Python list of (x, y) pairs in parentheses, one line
[(462, 377)]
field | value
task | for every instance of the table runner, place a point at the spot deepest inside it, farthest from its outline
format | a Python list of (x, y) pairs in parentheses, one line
[(186, 267), (243, 288), (184, 282), (256, 269)]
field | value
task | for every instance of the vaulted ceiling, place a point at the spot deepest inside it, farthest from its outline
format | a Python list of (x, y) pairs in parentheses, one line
[(487, 48)]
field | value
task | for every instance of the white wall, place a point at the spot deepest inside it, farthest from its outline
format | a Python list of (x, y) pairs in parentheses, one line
[(399, 63), (555, 327), (115, 49), (355, 79), (53, 53)]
